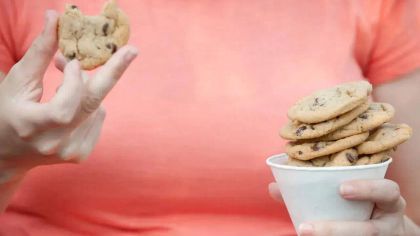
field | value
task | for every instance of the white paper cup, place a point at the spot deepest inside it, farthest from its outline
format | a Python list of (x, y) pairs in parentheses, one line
[(312, 193)]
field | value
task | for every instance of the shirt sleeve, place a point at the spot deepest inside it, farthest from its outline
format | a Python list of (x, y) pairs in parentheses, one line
[(395, 48)]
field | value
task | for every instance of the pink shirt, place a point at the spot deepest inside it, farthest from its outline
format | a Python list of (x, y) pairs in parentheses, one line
[(191, 123)]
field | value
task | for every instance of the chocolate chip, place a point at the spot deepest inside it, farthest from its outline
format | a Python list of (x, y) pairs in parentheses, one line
[(112, 46), (318, 102), (315, 147), (363, 116), (311, 127), (351, 158), (105, 29), (71, 56), (383, 107), (300, 130), (300, 152), (73, 7)]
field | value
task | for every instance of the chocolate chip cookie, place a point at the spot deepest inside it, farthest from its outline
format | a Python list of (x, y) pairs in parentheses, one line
[(329, 103), (92, 39), (308, 151), (385, 137), (374, 158), (346, 157), (294, 130), (296, 162), (374, 116)]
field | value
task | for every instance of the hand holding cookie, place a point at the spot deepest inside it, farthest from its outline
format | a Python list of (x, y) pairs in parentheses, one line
[(63, 129)]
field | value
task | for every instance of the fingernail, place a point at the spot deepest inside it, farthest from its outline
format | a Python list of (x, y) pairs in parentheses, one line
[(346, 189), (306, 229), (131, 54)]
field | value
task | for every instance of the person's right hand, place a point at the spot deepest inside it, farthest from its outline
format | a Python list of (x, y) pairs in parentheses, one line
[(64, 129)]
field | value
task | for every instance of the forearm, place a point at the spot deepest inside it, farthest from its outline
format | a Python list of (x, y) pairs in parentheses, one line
[(404, 95)]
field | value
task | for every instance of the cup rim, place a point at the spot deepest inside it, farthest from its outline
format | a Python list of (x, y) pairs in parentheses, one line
[(270, 162)]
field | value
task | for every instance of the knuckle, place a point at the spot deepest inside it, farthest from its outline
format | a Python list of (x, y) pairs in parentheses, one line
[(90, 103), (102, 113), (23, 129), (69, 156), (61, 116), (25, 132), (402, 203), (47, 149), (394, 191), (73, 156)]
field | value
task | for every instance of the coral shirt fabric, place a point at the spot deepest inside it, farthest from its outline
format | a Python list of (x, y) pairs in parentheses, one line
[(192, 121)]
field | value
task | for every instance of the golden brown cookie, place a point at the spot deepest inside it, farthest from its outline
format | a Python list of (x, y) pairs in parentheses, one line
[(346, 157), (296, 130), (296, 162), (308, 151), (374, 116), (92, 39), (385, 137), (329, 103)]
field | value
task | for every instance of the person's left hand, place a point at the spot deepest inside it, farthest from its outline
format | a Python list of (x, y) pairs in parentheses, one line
[(387, 218)]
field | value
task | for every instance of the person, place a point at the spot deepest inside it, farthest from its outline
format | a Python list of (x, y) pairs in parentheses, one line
[(191, 122)]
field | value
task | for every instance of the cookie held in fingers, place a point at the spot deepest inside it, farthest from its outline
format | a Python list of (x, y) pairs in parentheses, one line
[(329, 103), (374, 116), (308, 151), (387, 136), (92, 39), (295, 130)]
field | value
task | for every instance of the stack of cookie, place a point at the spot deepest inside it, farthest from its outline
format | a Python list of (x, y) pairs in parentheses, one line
[(340, 127)]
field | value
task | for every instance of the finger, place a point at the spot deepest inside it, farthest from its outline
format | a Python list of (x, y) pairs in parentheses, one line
[(60, 61), (105, 79), (274, 191), (48, 142), (337, 228), (92, 136), (66, 102), (37, 58), (82, 140), (385, 193)]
